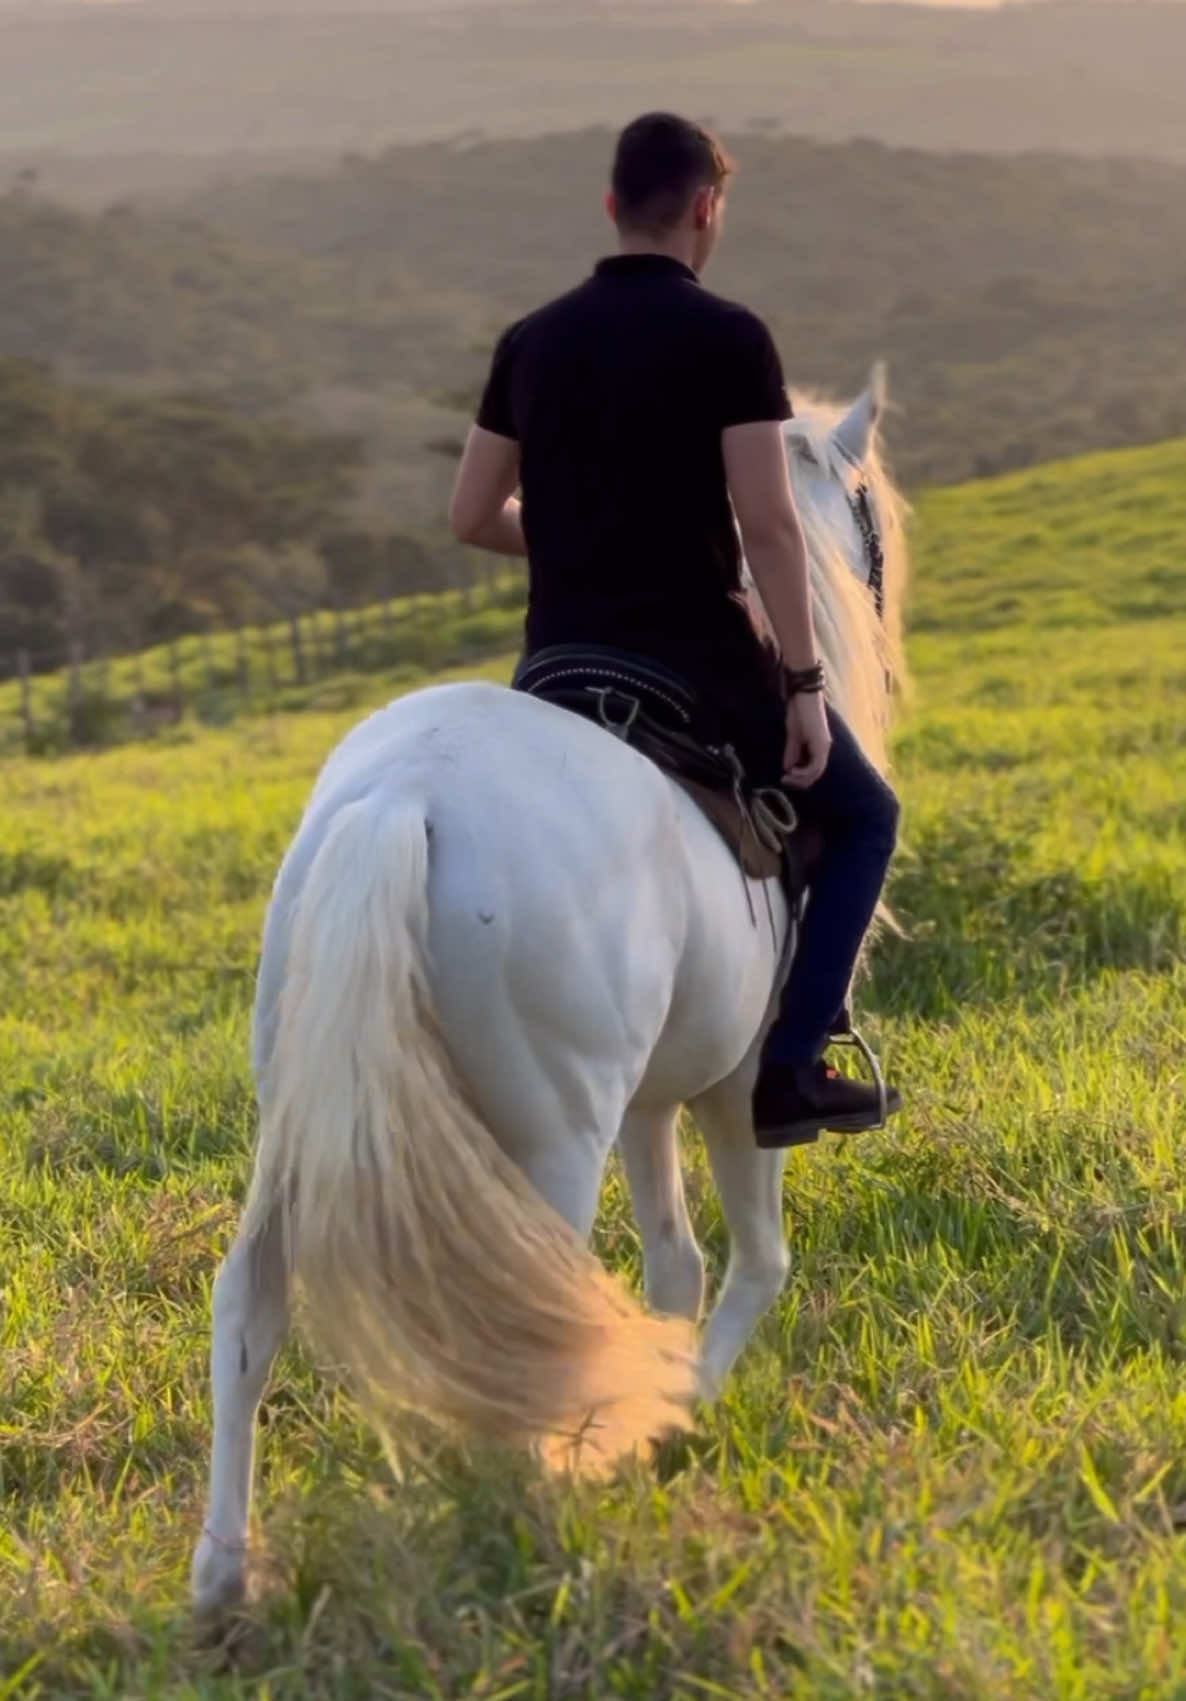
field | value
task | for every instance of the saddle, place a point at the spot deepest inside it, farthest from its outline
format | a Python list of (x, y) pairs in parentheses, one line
[(663, 718)]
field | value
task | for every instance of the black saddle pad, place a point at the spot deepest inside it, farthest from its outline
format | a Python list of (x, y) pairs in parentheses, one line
[(642, 702), (586, 673)]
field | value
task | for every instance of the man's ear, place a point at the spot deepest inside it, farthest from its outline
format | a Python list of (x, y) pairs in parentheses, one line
[(611, 206), (702, 208)]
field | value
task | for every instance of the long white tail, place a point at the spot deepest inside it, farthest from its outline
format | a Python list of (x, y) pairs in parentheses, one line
[(434, 1273)]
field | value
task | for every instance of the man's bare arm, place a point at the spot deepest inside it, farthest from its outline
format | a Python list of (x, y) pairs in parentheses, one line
[(756, 470), (760, 486), (484, 511)]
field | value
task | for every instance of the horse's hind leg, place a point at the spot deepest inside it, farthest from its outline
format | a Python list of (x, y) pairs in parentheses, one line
[(749, 1182), (250, 1320), (673, 1267)]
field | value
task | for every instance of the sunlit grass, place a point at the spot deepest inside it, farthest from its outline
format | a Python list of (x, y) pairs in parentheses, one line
[(951, 1465)]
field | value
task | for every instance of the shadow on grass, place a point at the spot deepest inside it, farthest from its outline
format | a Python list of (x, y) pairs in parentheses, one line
[(27, 870), (982, 928), (470, 1577), (1064, 1235)]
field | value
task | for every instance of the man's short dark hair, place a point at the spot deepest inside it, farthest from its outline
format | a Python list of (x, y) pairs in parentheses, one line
[(660, 163)]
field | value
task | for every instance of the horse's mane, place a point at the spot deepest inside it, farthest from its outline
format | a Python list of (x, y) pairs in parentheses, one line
[(862, 654)]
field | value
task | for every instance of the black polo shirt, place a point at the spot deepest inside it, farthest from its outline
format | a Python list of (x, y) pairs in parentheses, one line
[(617, 395)]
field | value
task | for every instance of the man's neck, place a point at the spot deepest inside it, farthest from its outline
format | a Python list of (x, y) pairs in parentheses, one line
[(680, 245)]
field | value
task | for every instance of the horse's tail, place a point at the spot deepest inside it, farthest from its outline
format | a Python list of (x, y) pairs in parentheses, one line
[(434, 1273)]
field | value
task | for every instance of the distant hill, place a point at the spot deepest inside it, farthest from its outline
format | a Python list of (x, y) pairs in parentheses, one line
[(1075, 75), (1028, 307)]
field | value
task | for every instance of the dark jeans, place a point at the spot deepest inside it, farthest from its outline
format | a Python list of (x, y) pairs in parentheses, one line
[(857, 815)]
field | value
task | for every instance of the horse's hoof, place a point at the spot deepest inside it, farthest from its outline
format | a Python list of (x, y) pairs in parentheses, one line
[(218, 1581)]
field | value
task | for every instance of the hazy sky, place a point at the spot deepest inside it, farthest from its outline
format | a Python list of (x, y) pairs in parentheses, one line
[(965, 3)]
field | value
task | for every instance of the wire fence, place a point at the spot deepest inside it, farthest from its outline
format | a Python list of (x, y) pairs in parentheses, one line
[(99, 699)]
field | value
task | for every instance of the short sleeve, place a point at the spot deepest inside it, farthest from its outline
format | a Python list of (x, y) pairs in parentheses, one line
[(494, 413), (751, 382)]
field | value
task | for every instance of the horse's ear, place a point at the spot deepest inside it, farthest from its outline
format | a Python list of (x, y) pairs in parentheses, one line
[(854, 434)]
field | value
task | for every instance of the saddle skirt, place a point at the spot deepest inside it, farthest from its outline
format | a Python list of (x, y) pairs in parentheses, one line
[(662, 717)]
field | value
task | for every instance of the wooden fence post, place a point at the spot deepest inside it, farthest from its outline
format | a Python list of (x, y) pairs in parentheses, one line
[(139, 706), (265, 638), (208, 652), (74, 691), (25, 669), (298, 651), (241, 663), (175, 677)]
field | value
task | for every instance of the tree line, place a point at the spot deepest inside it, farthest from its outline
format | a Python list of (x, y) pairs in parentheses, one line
[(126, 520), (225, 404)]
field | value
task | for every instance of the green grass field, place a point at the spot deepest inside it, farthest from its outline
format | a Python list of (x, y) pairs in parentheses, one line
[(953, 1462)]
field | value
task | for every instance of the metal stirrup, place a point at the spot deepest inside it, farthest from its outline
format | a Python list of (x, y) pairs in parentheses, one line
[(859, 1043)]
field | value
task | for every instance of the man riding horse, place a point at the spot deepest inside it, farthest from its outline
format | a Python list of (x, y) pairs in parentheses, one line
[(501, 943), (642, 418)]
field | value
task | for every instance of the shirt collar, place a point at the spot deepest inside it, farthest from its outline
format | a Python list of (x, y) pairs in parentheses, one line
[(644, 266)]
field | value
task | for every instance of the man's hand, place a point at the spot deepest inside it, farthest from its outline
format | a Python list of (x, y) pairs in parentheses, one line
[(808, 739)]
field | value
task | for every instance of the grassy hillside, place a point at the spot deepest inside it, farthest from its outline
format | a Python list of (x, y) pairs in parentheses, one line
[(332, 663), (951, 1466)]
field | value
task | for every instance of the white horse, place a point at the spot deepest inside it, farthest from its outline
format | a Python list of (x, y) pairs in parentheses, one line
[(500, 942)]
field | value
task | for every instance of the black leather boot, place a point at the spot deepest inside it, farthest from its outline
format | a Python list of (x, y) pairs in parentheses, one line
[(795, 1103)]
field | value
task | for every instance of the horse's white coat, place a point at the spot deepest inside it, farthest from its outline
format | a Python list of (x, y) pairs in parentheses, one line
[(595, 962)]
